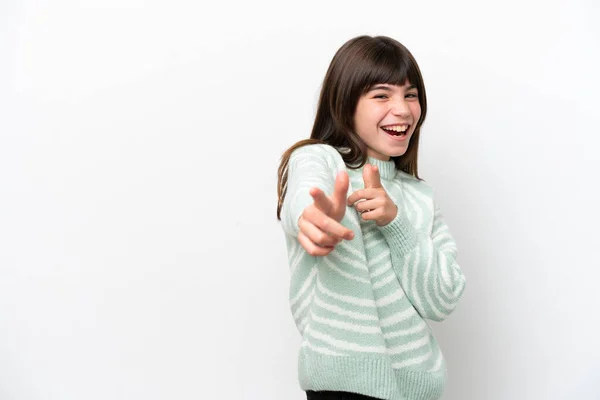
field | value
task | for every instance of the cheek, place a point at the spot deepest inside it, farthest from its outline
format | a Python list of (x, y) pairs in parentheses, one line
[(417, 110), (364, 120)]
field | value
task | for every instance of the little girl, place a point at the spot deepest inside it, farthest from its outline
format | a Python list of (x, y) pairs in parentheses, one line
[(370, 255)]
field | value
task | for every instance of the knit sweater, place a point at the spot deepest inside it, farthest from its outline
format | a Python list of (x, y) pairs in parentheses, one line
[(362, 309)]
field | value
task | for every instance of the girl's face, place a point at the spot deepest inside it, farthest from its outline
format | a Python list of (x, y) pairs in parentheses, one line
[(386, 117)]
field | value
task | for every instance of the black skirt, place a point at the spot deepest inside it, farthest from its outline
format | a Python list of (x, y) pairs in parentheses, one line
[(326, 395)]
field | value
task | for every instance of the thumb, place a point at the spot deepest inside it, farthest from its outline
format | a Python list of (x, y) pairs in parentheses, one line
[(371, 176), (340, 190)]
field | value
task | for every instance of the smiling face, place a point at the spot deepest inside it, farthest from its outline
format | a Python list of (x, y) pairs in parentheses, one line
[(386, 117)]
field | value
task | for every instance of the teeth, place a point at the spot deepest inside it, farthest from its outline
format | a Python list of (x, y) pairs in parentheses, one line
[(396, 128)]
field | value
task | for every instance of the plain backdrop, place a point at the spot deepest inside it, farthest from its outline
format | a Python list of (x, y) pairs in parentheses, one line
[(140, 255)]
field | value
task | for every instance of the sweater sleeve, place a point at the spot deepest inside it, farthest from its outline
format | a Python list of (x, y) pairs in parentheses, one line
[(425, 263), (307, 168)]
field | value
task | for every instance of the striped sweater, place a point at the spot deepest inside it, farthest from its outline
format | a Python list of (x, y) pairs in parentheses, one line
[(361, 310)]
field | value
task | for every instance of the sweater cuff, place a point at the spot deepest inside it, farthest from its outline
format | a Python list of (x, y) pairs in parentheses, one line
[(400, 235)]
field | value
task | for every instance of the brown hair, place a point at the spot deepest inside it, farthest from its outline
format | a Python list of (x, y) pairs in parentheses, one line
[(358, 65)]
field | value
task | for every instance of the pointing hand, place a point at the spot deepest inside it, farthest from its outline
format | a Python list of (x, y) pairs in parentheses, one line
[(320, 227), (376, 204)]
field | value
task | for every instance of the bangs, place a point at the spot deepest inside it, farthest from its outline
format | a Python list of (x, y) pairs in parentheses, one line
[(389, 66), (358, 66)]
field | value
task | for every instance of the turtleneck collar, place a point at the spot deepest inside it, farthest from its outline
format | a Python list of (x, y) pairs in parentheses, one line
[(387, 169)]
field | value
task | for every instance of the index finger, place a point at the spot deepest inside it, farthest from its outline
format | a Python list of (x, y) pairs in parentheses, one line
[(361, 194), (321, 201), (371, 176)]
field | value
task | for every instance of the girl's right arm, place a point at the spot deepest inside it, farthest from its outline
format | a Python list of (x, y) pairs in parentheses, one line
[(308, 213)]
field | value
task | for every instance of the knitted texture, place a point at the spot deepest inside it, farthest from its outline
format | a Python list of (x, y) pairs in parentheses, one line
[(362, 309)]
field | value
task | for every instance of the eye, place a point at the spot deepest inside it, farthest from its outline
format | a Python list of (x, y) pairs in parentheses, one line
[(380, 96), (412, 95)]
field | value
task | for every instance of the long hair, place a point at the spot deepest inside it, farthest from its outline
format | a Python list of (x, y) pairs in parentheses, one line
[(358, 65)]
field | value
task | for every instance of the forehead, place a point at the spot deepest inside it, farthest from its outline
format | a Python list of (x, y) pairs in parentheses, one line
[(388, 86)]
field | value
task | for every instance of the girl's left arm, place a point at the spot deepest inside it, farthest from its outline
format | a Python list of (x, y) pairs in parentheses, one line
[(425, 263)]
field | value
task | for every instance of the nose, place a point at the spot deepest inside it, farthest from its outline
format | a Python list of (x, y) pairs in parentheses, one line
[(400, 108)]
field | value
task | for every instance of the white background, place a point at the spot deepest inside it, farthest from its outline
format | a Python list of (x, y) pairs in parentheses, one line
[(140, 256)]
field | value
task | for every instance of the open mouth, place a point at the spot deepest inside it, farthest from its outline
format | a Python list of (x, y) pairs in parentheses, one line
[(396, 130)]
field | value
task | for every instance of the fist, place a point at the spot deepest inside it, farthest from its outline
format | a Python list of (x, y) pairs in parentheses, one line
[(373, 202)]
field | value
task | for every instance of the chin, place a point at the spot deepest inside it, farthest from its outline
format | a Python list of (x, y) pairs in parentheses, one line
[(398, 153)]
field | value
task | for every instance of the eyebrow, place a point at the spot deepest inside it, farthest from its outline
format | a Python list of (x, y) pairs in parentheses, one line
[(389, 89)]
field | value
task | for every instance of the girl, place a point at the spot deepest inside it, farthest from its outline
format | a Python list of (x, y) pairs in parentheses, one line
[(369, 253)]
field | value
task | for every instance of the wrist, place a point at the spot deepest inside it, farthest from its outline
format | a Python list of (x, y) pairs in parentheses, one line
[(400, 234), (390, 218)]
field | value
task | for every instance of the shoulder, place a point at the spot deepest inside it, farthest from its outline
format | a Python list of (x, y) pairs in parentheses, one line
[(322, 150), (412, 183), (321, 153)]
